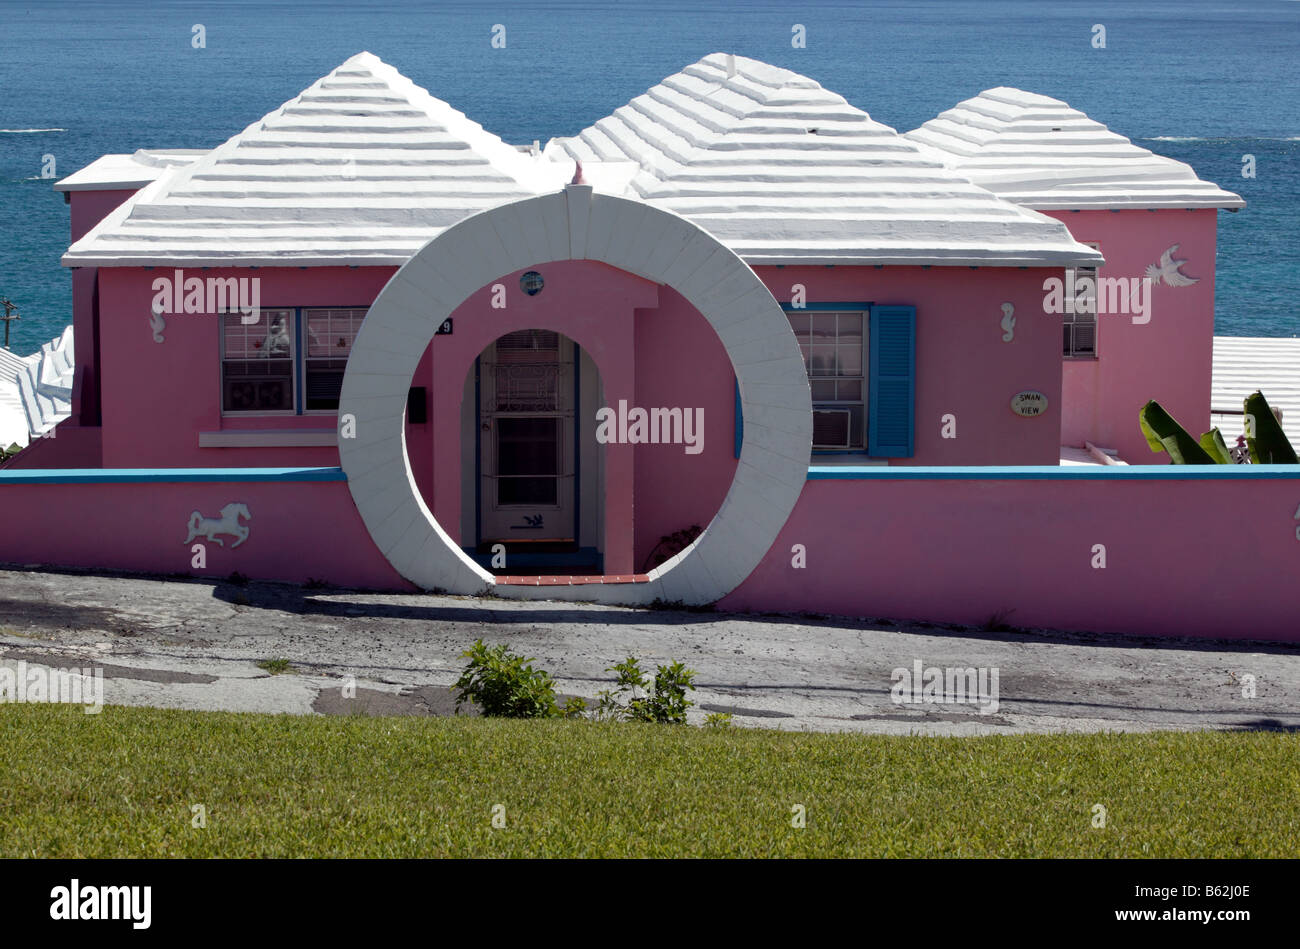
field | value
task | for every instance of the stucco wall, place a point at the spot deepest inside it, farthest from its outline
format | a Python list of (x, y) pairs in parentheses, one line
[(964, 548), (682, 363), (951, 545), (963, 367), (158, 397), (88, 208), (1170, 358), (299, 530)]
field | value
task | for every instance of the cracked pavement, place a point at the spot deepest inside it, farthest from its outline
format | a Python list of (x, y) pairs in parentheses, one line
[(196, 644)]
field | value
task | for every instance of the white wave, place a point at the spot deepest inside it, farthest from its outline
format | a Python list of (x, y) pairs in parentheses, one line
[(29, 131), (1198, 138)]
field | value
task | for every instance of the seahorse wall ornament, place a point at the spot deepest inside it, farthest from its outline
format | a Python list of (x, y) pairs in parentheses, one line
[(1008, 323), (157, 324)]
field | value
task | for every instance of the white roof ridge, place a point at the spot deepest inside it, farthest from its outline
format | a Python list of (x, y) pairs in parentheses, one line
[(737, 146), (332, 144), (1043, 153)]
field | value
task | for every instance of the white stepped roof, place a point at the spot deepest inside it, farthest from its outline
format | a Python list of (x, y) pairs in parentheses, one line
[(786, 172), (1040, 153), (13, 417), (1243, 364), (113, 172), (363, 167), (36, 390)]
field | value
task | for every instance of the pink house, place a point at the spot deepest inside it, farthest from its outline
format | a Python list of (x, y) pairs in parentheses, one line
[(367, 341), (1144, 212)]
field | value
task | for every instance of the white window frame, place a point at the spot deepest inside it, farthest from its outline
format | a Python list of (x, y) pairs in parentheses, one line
[(305, 316), (1072, 319), (862, 378), (293, 368)]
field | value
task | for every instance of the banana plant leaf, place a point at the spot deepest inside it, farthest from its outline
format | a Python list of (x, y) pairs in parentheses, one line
[(1212, 442), (1163, 433), (1267, 442)]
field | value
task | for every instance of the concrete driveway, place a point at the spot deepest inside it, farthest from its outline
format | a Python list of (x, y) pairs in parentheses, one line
[(196, 644)]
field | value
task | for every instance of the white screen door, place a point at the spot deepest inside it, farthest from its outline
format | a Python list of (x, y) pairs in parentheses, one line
[(526, 439)]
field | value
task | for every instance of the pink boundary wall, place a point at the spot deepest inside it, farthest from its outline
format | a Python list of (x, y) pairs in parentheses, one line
[(964, 548), (944, 545), (298, 530)]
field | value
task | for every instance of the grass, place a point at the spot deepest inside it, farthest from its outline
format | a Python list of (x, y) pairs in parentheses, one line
[(122, 783), (274, 666)]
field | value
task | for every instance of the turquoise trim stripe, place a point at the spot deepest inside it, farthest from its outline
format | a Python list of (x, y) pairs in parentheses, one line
[(1056, 473), (166, 475)]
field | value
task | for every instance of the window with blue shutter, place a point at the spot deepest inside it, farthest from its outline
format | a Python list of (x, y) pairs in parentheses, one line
[(892, 382)]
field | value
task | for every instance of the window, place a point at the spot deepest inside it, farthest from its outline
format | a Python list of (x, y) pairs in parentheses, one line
[(265, 370), (329, 338), (1080, 320), (257, 362), (834, 351)]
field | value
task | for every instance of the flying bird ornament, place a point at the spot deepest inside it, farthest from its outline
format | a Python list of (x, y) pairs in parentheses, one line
[(1168, 271)]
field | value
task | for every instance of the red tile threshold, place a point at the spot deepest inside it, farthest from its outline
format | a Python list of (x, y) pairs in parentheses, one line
[(572, 581)]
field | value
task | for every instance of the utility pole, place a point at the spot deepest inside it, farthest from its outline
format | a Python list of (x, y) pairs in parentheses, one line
[(11, 314)]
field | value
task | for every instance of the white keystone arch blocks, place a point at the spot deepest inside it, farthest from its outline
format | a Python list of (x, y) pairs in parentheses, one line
[(651, 243)]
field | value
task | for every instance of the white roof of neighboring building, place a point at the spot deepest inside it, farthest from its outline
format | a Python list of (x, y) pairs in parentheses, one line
[(1040, 153), (1243, 364), (36, 390), (110, 172), (786, 172), (365, 167)]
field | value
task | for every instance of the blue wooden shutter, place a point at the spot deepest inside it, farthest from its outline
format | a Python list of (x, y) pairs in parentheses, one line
[(892, 383)]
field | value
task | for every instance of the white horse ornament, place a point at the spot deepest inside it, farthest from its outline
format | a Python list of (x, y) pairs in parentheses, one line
[(227, 523)]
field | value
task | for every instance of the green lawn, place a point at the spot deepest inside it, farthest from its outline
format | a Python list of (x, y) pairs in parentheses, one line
[(122, 783)]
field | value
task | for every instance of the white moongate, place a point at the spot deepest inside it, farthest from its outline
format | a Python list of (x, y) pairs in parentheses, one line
[(576, 224)]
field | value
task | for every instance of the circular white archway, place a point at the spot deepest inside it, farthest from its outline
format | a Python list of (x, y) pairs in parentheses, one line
[(576, 224)]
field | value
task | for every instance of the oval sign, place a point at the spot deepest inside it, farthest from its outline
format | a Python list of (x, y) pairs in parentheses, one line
[(1029, 403)]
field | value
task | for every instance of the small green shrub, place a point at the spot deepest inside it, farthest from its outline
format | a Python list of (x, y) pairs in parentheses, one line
[(633, 699), (274, 666), (574, 707), (719, 720), (505, 685)]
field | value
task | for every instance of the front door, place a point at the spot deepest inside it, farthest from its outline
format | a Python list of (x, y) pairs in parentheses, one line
[(526, 439)]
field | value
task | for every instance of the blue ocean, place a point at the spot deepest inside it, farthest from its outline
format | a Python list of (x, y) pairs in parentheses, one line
[(1204, 81)]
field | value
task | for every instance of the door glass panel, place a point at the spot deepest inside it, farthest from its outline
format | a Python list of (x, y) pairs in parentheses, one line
[(527, 457)]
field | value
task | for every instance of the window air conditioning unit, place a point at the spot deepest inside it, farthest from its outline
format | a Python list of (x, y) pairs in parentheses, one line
[(831, 428)]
